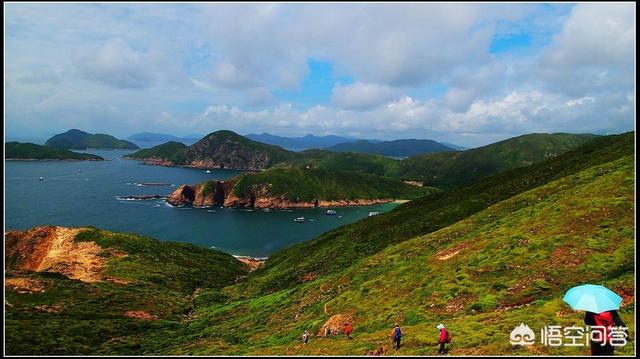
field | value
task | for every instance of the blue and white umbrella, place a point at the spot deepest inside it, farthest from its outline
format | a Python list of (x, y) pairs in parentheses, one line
[(592, 298)]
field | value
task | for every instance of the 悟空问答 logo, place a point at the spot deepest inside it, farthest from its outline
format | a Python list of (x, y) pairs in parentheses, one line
[(522, 335)]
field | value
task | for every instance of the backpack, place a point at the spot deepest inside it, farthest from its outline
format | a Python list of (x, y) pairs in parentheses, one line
[(447, 339), (397, 333)]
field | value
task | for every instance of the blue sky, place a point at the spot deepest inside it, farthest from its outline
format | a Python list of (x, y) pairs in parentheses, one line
[(466, 73)]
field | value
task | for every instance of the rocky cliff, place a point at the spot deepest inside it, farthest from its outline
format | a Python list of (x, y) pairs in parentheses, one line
[(211, 193), (221, 193)]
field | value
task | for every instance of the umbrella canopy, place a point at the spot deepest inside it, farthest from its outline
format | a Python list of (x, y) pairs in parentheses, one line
[(592, 298)]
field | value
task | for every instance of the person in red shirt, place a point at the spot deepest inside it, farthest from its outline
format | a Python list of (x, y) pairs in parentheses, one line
[(347, 330), (603, 322), (443, 339)]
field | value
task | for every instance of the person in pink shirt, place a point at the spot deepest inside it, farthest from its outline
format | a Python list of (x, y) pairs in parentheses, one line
[(444, 338)]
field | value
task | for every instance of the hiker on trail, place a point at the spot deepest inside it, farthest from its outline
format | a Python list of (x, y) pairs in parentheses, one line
[(396, 334), (605, 321), (347, 330), (305, 337), (444, 338)]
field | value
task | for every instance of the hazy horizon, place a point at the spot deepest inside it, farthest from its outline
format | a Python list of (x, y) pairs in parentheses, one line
[(466, 74)]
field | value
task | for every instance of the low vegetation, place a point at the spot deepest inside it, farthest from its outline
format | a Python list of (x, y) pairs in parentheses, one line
[(309, 185), (31, 151), (80, 140), (150, 286), (481, 259), (169, 151)]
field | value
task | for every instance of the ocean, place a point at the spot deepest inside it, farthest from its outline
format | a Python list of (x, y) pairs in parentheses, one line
[(85, 193)]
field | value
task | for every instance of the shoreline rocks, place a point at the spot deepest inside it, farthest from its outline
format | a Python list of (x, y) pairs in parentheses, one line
[(220, 193)]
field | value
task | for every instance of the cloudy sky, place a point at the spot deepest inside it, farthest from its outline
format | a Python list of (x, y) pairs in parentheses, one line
[(462, 73)]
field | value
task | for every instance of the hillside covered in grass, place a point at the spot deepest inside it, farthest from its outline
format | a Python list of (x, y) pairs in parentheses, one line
[(338, 248), (461, 168), (291, 187), (169, 151), (481, 276), (31, 151), (80, 140), (102, 292), (395, 148), (325, 185), (481, 259), (445, 170)]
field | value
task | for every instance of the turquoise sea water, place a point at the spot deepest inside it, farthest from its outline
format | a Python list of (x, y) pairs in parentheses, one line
[(85, 194)]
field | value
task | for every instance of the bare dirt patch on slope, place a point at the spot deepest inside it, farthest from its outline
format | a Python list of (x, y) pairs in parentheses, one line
[(54, 249)]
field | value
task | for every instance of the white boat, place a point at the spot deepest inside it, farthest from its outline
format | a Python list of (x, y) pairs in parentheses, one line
[(299, 220), (330, 212), (371, 214), (207, 171), (41, 178)]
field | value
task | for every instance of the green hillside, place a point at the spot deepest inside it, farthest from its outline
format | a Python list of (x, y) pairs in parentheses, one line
[(30, 151), (445, 170), (80, 140), (481, 276), (456, 169), (169, 151), (227, 149), (341, 247), (312, 184), (75, 317), (395, 148), (346, 161), (482, 259)]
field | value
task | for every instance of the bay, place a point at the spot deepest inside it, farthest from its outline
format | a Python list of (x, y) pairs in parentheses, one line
[(85, 193)]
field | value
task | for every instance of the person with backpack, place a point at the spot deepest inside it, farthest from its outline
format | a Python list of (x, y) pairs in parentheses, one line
[(603, 322), (396, 334), (305, 337), (347, 330), (445, 338)]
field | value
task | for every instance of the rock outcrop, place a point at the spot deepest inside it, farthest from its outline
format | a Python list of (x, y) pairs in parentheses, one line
[(221, 193), (211, 193)]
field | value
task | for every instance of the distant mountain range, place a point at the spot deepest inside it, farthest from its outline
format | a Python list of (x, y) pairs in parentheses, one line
[(300, 143), (151, 139), (446, 170), (396, 148), (80, 140)]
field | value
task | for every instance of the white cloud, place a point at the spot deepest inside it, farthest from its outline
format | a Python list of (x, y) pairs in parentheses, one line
[(236, 59), (362, 96), (596, 34), (116, 64)]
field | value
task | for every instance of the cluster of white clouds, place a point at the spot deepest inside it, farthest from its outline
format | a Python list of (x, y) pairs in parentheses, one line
[(201, 67)]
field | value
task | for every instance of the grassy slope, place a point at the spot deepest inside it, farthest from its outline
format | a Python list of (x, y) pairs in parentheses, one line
[(162, 277), (456, 169), (343, 246), (347, 161), (17, 150), (583, 218), (169, 150), (513, 262), (308, 185), (397, 148)]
